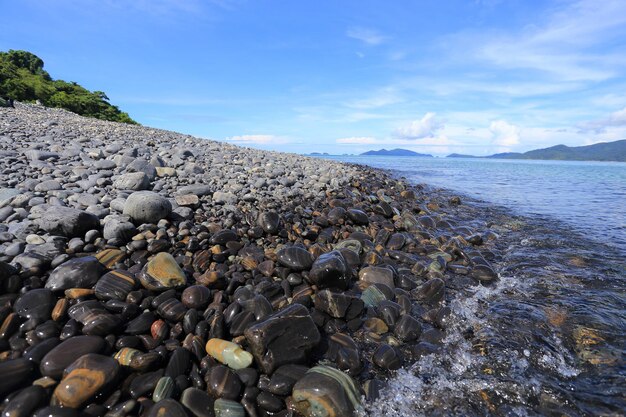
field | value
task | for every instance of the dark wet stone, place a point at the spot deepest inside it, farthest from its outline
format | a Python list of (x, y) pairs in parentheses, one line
[(76, 273), (223, 237), (172, 310), (431, 292), (336, 215), (389, 312), (198, 402), (163, 389), (222, 382), (36, 304), (167, 407), (15, 373), (37, 352), (141, 324), (377, 275), (115, 285), (84, 378), (483, 274), (95, 318), (196, 296), (179, 363), (396, 241), (295, 258), (269, 221), (358, 216), (54, 411), (326, 391), (269, 402), (408, 328), (240, 322), (285, 377), (68, 351), (25, 402), (387, 357), (330, 270), (424, 349), (161, 273), (144, 383), (285, 337), (338, 305)]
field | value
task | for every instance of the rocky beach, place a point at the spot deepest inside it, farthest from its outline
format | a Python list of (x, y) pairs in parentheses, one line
[(149, 273)]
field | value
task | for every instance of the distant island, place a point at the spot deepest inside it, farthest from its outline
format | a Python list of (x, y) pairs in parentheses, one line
[(606, 151), (395, 152), (22, 78)]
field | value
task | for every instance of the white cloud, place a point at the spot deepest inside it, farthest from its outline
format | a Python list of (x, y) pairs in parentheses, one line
[(615, 119), (383, 98), (359, 140), (367, 36), (504, 134), (258, 139), (426, 127)]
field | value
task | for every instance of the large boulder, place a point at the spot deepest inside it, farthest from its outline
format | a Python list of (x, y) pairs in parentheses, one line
[(147, 207), (285, 337), (66, 221)]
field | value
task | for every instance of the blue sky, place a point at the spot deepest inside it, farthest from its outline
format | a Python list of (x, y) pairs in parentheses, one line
[(475, 77)]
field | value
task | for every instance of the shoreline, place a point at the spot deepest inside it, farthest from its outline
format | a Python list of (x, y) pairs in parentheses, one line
[(361, 267)]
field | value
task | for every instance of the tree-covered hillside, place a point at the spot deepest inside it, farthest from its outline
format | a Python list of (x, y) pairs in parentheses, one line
[(23, 78)]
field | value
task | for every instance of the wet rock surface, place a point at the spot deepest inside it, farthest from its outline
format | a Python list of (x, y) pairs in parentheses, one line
[(145, 272)]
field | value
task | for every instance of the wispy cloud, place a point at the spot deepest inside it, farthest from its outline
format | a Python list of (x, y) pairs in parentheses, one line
[(615, 119), (382, 98), (426, 127), (366, 35), (363, 140)]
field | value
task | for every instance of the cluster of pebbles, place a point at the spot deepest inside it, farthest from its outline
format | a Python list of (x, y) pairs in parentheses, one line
[(150, 273)]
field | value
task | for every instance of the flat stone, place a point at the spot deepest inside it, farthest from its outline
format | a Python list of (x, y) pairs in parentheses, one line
[(295, 258), (62, 355), (66, 221), (76, 273), (377, 275), (36, 304)]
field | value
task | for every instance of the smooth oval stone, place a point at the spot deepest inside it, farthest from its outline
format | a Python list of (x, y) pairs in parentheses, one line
[(330, 270), (196, 296), (377, 275), (295, 258), (228, 408), (36, 304), (198, 402), (14, 372), (336, 214), (269, 222), (56, 412), (172, 310), (37, 352), (408, 328), (125, 355), (115, 285), (110, 257), (179, 363), (326, 391), (76, 273), (147, 207), (389, 312), (167, 408), (396, 241), (229, 353), (68, 351), (387, 357), (431, 292), (162, 272), (270, 402), (358, 216), (25, 402), (85, 378), (223, 237), (352, 245), (222, 382), (375, 325)]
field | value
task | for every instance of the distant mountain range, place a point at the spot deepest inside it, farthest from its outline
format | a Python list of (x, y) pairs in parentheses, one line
[(395, 152), (606, 151)]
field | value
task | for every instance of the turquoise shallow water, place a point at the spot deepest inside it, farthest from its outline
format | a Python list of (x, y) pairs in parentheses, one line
[(589, 197)]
